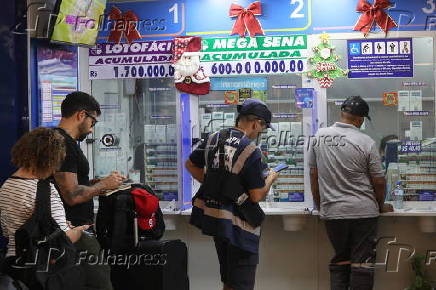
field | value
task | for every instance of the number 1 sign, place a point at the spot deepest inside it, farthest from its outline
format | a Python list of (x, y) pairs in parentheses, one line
[(155, 19)]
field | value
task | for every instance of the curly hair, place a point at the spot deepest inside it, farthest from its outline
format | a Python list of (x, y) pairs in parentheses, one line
[(41, 151)]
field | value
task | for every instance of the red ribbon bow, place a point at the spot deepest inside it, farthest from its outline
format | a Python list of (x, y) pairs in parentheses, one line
[(374, 13), (124, 25), (246, 19)]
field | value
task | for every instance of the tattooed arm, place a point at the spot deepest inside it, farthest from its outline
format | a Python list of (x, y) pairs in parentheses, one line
[(73, 193)]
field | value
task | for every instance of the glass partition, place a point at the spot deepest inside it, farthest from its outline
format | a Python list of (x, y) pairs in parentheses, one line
[(405, 132), (137, 132), (284, 145)]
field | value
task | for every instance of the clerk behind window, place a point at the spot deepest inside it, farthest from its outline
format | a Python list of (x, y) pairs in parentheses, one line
[(236, 241)]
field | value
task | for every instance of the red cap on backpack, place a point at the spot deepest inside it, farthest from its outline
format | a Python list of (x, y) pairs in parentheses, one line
[(146, 205)]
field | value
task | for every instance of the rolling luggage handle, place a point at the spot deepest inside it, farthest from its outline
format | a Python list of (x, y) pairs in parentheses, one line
[(135, 230)]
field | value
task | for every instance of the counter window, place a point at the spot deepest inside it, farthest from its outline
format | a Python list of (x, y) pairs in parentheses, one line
[(284, 145), (137, 132), (405, 132)]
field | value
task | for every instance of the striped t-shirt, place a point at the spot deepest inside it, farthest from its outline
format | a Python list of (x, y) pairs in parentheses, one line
[(17, 202)]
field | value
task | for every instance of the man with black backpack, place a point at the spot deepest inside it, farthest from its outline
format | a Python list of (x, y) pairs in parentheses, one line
[(229, 167)]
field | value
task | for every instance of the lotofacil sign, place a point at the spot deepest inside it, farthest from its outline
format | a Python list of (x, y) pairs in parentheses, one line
[(148, 59)]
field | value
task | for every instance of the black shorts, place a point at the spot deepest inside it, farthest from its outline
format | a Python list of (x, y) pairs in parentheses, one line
[(237, 267), (353, 239)]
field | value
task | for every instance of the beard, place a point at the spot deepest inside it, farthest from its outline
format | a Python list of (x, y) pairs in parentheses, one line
[(82, 137), (82, 132), (187, 66)]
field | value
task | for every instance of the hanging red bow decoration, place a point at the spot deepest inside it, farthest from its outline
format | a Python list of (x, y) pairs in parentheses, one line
[(374, 13), (124, 25), (246, 20)]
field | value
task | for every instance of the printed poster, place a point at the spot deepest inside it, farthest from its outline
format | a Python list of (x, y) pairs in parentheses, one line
[(380, 58)]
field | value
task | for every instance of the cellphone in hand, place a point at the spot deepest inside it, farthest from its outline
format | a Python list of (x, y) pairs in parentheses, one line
[(280, 167)]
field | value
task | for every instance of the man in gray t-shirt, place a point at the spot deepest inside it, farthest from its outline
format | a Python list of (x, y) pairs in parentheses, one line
[(348, 188)]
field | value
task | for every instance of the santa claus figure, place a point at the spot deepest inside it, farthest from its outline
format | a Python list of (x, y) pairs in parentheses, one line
[(189, 76)]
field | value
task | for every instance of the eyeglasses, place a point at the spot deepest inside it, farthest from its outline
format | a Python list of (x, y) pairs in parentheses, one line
[(94, 120)]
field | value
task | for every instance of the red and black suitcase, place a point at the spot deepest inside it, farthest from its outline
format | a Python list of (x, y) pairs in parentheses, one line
[(138, 259)]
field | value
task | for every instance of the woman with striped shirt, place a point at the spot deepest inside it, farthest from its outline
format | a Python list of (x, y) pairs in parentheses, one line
[(37, 154)]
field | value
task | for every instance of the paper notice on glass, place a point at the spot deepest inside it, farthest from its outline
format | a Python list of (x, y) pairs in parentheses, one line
[(229, 119), (415, 100), (217, 121), (285, 128), (120, 119), (296, 129), (205, 120), (109, 120), (415, 130), (274, 132), (403, 101), (218, 115), (161, 135), (171, 133), (149, 134)]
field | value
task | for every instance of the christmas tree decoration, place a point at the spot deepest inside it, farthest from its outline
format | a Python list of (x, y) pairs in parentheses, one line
[(188, 75), (324, 64), (325, 53), (324, 37), (374, 13), (325, 82), (246, 20)]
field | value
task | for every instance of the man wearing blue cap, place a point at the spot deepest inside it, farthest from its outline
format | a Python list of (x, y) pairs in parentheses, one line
[(229, 167), (348, 188)]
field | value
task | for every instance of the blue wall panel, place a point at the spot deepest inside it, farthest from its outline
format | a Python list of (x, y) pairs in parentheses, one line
[(13, 83)]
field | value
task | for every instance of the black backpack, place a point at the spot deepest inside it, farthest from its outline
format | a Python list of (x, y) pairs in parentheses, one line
[(116, 221), (45, 257)]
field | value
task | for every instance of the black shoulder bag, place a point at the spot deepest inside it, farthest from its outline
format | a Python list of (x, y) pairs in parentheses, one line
[(45, 256)]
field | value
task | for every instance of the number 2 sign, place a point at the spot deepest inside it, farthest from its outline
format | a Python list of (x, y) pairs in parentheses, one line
[(277, 18)]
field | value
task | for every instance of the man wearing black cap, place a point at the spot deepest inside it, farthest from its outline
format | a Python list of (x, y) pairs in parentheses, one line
[(348, 188), (220, 210)]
